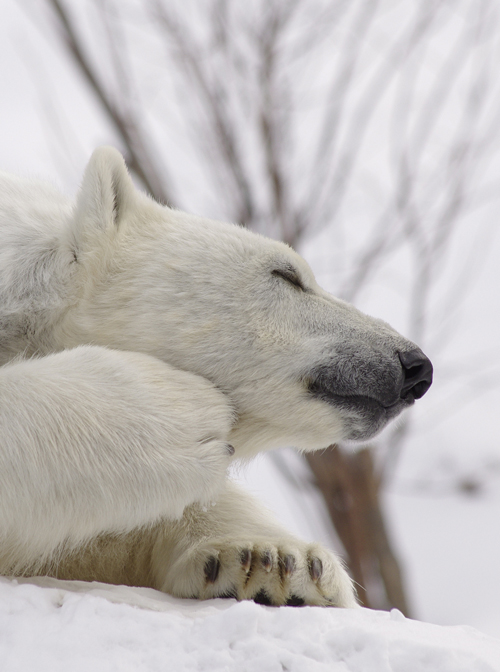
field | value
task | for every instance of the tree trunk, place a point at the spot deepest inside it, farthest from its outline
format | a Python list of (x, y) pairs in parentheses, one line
[(350, 488)]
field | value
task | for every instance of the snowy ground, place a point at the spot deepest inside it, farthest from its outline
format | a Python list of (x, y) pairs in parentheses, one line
[(80, 627), (446, 544)]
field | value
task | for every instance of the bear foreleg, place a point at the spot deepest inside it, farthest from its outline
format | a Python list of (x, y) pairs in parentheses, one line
[(97, 441), (234, 548)]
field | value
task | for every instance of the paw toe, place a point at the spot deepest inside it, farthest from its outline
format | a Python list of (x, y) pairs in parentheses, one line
[(263, 598), (315, 569), (288, 565), (295, 601), (246, 559), (212, 567), (267, 560)]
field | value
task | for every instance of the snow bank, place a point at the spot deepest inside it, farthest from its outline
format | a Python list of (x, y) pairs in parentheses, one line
[(61, 626)]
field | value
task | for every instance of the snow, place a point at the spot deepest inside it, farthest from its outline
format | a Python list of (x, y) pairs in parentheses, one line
[(75, 626), (445, 542)]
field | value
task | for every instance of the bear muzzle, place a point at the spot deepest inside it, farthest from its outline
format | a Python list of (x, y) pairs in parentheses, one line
[(371, 392)]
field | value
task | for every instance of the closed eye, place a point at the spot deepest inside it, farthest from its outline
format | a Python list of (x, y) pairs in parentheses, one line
[(290, 275)]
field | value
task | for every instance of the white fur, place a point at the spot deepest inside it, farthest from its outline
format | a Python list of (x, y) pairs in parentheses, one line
[(109, 458)]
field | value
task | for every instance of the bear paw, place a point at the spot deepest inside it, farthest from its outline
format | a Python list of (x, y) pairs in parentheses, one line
[(286, 572)]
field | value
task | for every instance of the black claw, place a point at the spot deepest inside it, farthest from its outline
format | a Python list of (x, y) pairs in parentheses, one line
[(246, 559), (294, 601), (289, 565), (212, 567), (267, 560), (262, 598), (315, 569), (230, 449)]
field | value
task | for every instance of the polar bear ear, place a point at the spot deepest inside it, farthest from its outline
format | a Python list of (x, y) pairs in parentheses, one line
[(106, 194)]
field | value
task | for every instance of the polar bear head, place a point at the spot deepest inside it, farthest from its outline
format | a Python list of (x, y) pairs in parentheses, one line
[(245, 312)]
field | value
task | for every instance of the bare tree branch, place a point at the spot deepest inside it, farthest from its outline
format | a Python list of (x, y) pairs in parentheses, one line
[(222, 124), (140, 160)]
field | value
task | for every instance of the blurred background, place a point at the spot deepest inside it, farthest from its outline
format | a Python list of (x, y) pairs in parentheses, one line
[(364, 133)]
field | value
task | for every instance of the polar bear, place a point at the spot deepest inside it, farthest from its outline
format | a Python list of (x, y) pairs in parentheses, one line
[(142, 350)]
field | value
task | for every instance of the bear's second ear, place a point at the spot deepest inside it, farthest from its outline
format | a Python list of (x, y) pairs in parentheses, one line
[(107, 192)]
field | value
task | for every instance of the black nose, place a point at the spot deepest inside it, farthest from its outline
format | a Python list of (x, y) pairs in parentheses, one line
[(417, 370)]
